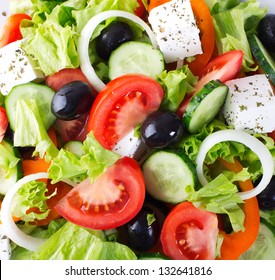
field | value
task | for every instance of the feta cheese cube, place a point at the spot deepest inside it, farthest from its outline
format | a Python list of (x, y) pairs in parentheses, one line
[(176, 30), (250, 104), (16, 67)]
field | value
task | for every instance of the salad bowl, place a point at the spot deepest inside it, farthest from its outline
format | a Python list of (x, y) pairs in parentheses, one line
[(125, 194)]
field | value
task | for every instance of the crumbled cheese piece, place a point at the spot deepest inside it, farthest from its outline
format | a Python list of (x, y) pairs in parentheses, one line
[(176, 30), (5, 248), (250, 104), (16, 67)]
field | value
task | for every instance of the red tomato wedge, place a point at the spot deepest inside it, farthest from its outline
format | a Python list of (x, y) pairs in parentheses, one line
[(65, 76), (223, 67), (75, 129), (140, 10), (3, 123), (10, 32), (189, 233), (111, 201), (122, 104)]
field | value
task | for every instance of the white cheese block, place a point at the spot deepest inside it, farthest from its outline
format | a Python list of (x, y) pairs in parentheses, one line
[(5, 249), (130, 146), (176, 30), (16, 67), (250, 104)]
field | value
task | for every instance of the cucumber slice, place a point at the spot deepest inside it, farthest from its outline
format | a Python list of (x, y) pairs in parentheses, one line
[(136, 57), (16, 172), (263, 57), (167, 173), (76, 147), (205, 105), (264, 246), (41, 93)]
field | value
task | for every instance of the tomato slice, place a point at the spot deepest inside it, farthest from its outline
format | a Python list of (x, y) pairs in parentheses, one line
[(75, 129), (223, 67), (10, 32), (3, 123), (189, 233), (65, 76), (111, 201), (140, 10), (122, 104)]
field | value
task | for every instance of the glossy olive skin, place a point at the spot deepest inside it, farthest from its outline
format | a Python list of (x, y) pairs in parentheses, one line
[(138, 234), (266, 198), (72, 100), (112, 37), (266, 32), (161, 129)]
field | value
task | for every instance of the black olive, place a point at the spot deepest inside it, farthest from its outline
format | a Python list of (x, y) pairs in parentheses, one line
[(266, 198), (266, 31), (143, 231), (72, 101), (112, 37), (161, 129)]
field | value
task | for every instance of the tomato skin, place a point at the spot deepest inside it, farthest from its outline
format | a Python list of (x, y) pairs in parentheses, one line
[(75, 129), (122, 104), (3, 123), (140, 10), (111, 201), (186, 222), (65, 76), (10, 32), (223, 67)]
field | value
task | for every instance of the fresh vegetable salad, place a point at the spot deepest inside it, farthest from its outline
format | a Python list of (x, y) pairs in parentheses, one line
[(137, 130)]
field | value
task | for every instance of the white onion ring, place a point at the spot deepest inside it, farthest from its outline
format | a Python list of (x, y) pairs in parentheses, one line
[(251, 142), (86, 34), (9, 226)]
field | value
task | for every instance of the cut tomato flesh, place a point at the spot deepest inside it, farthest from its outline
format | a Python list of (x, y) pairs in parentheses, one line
[(112, 200)]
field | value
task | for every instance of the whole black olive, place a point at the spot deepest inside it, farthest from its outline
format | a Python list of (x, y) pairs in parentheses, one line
[(266, 32), (161, 129), (266, 198), (143, 230), (112, 37), (72, 101)]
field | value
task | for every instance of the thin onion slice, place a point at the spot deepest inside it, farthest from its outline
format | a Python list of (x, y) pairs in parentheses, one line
[(248, 140), (86, 34), (9, 226)]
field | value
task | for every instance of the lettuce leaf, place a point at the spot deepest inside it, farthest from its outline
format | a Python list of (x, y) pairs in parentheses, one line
[(232, 25), (53, 42), (220, 196), (81, 244), (176, 84), (95, 7), (8, 161), (30, 131), (31, 195), (55, 28), (92, 163), (226, 150)]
